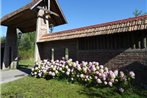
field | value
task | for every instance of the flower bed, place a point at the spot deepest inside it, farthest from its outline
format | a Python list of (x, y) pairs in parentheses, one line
[(87, 73)]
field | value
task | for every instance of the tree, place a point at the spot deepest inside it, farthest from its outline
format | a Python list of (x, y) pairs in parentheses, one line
[(3, 39), (137, 13), (26, 45)]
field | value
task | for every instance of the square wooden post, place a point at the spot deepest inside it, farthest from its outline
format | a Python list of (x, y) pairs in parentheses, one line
[(41, 29), (11, 49)]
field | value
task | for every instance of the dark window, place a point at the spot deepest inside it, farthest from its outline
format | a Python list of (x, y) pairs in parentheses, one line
[(132, 40)]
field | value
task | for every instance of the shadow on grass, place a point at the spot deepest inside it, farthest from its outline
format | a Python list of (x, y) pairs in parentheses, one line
[(92, 92), (135, 91), (25, 69)]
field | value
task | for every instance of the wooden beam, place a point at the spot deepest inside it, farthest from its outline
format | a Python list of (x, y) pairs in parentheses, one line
[(48, 11), (49, 5)]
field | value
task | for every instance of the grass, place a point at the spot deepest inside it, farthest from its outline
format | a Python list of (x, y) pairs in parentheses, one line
[(26, 63), (30, 87)]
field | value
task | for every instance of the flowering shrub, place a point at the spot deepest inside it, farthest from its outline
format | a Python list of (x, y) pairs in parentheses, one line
[(88, 73)]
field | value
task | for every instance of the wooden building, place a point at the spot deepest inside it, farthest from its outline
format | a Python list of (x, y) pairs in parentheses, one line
[(114, 44), (39, 16)]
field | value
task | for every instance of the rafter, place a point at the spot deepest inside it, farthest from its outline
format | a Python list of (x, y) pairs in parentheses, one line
[(48, 11)]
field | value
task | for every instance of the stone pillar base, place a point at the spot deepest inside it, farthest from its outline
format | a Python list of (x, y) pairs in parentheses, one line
[(14, 65)]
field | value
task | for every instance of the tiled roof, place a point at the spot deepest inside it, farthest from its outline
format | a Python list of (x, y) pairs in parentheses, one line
[(125, 25)]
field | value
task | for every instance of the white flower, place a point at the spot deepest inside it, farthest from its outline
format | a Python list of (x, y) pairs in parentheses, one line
[(53, 74), (104, 78), (72, 79), (72, 70), (45, 61), (56, 72), (74, 64), (66, 67), (60, 69), (93, 68), (84, 63), (32, 69), (110, 84), (132, 74), (32, 73), (121, 90), (112, 75), (106, 69), (50, 73), (70, 60), (86, 76), (122, 74), (103, 75), (68, 70), (67, 73), (84, 69), (101, 66), (101, 70), (79, 68), (97, 67), (81, 75), (116, 80), (100, 74), (112, 80), (96, 63), (39, 74), (105, 83), (95, 77), (98, 80), (35, 73), (116, 72), (36, 68), (54, 68)]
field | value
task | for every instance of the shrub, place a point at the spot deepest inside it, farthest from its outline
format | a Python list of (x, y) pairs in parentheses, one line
[(87, 73)]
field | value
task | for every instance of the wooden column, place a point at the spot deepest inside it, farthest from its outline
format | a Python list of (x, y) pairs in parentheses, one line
[(41, 29), (52, 54), (66, 53), (145, 42), (11, 49)]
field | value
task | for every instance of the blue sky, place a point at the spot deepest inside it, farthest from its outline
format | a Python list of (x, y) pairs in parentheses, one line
[(81, 13)]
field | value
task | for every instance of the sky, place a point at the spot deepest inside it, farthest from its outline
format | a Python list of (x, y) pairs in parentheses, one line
[(81, 13)]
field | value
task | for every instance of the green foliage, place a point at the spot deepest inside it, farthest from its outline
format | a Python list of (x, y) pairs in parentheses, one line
[(26, 46), (26, 63), (138, 13), (3, 38)]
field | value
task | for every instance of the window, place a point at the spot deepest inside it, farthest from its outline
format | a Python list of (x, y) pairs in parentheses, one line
[(132, 40)]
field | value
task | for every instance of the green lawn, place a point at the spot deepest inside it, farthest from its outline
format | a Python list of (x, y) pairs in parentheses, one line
[(26, 63), (30, 87)]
